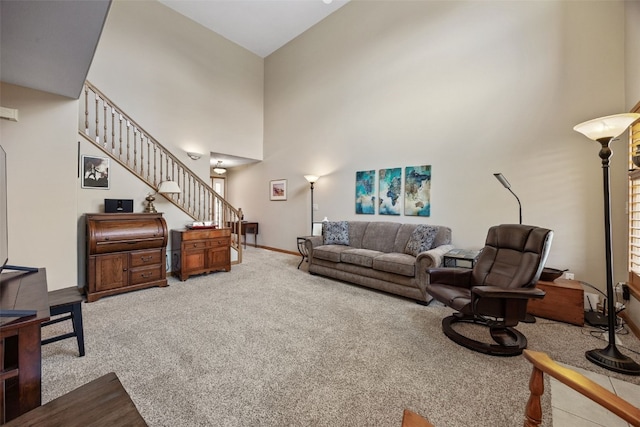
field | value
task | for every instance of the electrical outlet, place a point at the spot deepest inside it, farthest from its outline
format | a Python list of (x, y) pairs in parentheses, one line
[(569, 276)]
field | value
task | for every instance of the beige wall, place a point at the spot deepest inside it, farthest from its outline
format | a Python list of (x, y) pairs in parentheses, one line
[(42, 182), (471, 88), (187, 86)]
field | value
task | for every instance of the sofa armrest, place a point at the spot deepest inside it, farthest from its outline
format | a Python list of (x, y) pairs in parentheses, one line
[(432, 258), (311, 242), (426, 260)]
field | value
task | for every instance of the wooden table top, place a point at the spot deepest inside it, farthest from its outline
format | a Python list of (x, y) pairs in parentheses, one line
[(101, 402)]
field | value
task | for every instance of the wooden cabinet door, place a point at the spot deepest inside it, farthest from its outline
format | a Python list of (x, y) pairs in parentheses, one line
[(111, 271), (193, 260), (219, 258)]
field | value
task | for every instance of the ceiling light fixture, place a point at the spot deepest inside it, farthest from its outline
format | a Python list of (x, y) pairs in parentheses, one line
[(219, 169)]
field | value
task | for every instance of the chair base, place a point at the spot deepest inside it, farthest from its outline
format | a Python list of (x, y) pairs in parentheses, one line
[(510, 342)]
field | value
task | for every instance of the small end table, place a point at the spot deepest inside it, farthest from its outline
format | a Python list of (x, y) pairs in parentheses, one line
[(461, 258), (303, 250)]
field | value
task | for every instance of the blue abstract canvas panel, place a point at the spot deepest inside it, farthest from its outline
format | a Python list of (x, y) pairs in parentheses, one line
[(417, 190), (365, 192), (390, 190)]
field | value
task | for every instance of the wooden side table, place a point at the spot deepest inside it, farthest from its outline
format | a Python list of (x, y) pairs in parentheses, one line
[(563, 302), (20, 352), (102, 402)]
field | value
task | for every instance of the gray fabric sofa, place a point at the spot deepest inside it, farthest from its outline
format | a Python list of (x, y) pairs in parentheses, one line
[(375, 257)]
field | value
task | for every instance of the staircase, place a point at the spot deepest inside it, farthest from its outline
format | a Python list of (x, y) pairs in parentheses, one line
[(107, 127)]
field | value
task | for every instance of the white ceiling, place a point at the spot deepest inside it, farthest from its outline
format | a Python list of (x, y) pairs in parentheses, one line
[(261, 26)]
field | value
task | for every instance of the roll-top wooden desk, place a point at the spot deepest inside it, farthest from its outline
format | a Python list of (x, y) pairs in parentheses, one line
[(125, 252)]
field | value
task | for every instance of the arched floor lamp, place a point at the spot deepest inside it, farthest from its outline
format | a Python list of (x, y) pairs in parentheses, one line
[(312, 180), (604, 130)]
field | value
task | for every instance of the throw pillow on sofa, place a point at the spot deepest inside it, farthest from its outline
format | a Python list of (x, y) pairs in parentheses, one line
[(421, 239), (336, 233)]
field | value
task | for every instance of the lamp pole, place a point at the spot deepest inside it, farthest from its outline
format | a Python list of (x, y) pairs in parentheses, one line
[(312, 180)]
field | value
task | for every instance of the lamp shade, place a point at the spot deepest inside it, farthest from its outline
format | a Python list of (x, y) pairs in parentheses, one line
[(168, 187), (606, 127), (502, 180), (311, 178)]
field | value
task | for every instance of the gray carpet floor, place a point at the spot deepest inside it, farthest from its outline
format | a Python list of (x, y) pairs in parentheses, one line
[(267, 344)]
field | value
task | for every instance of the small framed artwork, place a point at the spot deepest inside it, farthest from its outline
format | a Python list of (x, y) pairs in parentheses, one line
[(390, 191), (417, 190), (278, 189), (95, 172), (365, 192)]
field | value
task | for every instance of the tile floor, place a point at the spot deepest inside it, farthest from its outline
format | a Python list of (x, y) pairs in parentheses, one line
[(571, 409)]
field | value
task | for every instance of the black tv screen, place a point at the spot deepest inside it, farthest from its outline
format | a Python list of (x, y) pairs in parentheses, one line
[(4, 238)]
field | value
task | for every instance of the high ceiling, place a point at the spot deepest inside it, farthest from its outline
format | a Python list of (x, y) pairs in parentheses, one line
[(261, 26), (49, 45)]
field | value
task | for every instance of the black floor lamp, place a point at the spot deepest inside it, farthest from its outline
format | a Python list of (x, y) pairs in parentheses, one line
[(506, 185), (312, 180), (604, 130)]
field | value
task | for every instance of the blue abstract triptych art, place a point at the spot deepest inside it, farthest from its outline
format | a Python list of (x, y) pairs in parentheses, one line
[(416, 191)]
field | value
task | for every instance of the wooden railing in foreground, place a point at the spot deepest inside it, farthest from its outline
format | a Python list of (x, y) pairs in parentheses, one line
[(542, 364), (106, 126)]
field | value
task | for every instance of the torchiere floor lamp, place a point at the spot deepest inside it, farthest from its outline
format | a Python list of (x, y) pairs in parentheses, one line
[(312, 180), (604, 130)]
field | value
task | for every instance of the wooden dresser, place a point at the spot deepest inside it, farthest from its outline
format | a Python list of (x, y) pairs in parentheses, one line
[(125, 252), (201, 251)]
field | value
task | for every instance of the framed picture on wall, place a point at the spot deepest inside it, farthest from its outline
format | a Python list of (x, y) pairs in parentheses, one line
[(95, 172), (417, 190), (278, 189), (390, 191), (365, 192)]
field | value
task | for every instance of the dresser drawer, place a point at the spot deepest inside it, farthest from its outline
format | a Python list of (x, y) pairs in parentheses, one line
[(141, 258), (195, 244), (219, 242), (145, 274)]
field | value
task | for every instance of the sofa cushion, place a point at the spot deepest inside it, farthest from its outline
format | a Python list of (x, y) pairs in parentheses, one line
[(421, 239), (402, 264), (336, 233), (362, 257), (329, 252), (380, 236)]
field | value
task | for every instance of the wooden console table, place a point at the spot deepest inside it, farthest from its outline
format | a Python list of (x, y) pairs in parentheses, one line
[(102, 402), (563, 302), (20, 352), (247, 227)]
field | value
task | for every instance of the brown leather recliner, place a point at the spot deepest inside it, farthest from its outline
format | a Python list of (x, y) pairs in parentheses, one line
[(496, 291)]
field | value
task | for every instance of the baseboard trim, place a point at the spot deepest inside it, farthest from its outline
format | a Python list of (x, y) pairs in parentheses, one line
[(283, 251)]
